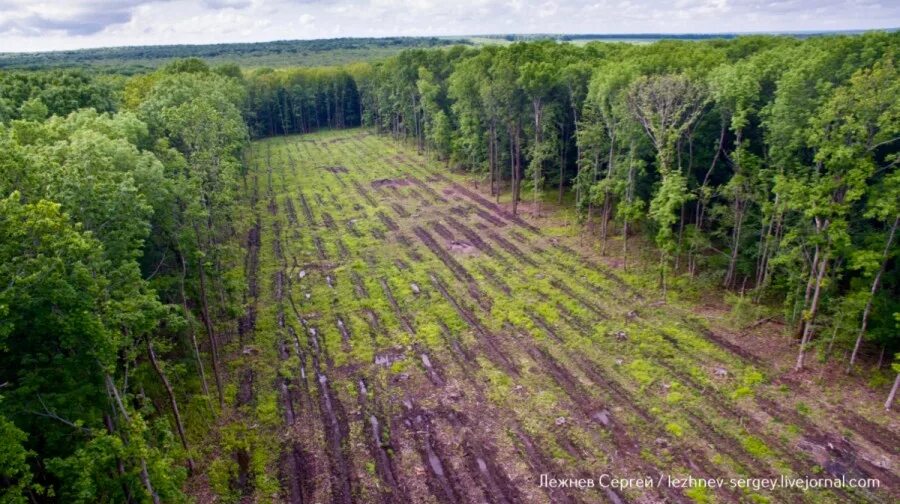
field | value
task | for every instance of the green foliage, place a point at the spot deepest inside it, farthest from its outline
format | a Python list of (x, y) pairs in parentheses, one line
[(700, 495), (280, 53), (501, 384), (301, 100), (674, 397), (743, 310), (267, 409), (642, 371), (96, 210), (222, 471), (741, 392), (34, 96), (753, 378), (14, 469), (675, 429), (756, 447)]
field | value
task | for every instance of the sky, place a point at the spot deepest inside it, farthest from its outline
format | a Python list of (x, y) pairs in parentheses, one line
[(36, 25)]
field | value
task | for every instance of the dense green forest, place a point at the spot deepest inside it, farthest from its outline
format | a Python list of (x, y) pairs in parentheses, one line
[(279, 53), (113, 244), (763, 167)]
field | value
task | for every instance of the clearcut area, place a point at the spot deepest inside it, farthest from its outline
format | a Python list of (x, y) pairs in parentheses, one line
[(406, 339)]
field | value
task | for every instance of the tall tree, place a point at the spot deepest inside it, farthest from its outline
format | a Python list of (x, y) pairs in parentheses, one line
[(538, 79), (666, 107)]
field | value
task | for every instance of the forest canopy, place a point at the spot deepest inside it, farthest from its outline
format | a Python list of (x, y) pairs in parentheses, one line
[(139, 59), (112, 233)]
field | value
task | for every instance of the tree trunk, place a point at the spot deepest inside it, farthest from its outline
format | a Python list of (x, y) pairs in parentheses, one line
[(211, 333), (893, 394), (875, 283), (212, 242), (773, 235), (801, 327), (833, 336), (120, 466), (328, 120), (629, 198), (607, 204), (562, 161), (760, 259), (590, 217), (285, 116), (145, 479), (577, 145), (538, 141), (145, 475), (662, 274), (810, 319), (417, 129), (735, 243), (512, 169), (520, 172), (193, 333), (492, 157), (516, 173), (179, 425)]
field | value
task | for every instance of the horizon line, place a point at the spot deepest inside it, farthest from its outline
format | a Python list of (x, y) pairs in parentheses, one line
[(656, 34)]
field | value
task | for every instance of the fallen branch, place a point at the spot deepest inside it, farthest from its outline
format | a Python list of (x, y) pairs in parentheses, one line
[(758, 323)]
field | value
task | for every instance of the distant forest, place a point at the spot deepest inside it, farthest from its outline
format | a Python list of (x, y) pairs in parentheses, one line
[(651, 37), (258, 54), (323, 52)]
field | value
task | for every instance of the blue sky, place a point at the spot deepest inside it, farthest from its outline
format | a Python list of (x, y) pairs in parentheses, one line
[(35, 25)]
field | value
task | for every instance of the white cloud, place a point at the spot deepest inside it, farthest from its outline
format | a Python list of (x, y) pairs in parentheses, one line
[(27, 25)]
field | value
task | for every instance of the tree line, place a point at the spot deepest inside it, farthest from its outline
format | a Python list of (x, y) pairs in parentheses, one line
[(764, 165), (140, 59), (117, 209), (300, 100)]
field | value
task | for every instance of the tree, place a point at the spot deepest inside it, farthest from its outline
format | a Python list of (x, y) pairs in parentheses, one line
[(208, 134), (60, 344), (476, 134), (666, 106), (845, 134), (436, 123), (608, 113), (889, 403), (735, 90), (575, 77), (14, 470), (874, 120), (538, 79), (506, 90)]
